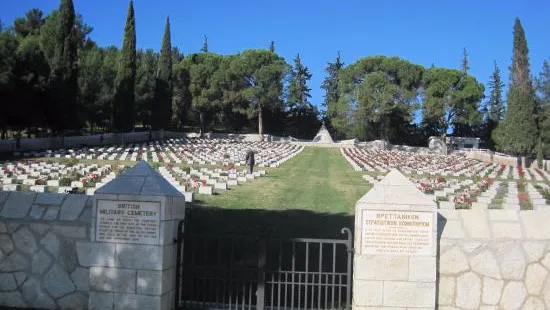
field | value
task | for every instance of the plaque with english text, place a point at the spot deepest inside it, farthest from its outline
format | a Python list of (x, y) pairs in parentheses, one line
[(396, 233), (128, 222)]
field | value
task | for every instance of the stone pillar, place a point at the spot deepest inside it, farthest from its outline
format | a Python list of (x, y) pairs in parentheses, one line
[(395, 247), (133, 256)]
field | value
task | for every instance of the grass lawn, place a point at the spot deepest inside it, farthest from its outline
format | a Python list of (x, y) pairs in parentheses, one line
[(311, 195)]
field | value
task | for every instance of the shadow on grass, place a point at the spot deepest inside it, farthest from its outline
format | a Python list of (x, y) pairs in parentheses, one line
[(11, 308), (295, 223)]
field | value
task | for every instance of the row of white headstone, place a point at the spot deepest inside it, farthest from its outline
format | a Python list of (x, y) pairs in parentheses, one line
[(365, 160), (49, 175), (484, 199), (200, 151), (206, 181)]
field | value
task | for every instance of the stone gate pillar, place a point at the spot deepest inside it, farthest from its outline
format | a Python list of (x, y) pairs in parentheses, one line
[(132, 258), (395, 247)]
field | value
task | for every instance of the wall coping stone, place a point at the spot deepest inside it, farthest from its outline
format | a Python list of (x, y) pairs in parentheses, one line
[(48, 207)]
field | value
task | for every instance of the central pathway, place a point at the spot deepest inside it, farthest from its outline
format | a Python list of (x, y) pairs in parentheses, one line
[(316, 189)]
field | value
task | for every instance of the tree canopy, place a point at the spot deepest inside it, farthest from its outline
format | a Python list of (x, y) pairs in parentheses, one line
[(49, 65)]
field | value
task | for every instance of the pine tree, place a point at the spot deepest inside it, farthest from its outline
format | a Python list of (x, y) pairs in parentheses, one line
[(303, 121), (518, 133), (462, 126), (298, 97), (272, 46), (543, 105), (543, 85), (146, 74), (163, 91), (495, 106), (64, 71), (124, 100), (330, 84), (465, 64), (204, 48)]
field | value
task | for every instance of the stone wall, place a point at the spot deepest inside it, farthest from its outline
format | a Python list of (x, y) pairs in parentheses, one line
[(506, 160), (494, 259), (487, 259), (44, 250), (35, 144), (326, 145), (493, 159)]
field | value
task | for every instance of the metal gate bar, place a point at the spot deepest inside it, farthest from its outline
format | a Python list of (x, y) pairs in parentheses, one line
[(257, 273)]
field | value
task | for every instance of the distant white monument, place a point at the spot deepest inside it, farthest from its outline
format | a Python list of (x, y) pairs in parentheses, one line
[(323, 136)]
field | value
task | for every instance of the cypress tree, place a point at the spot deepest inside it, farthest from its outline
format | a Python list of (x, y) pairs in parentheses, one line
[(272, 46), (540, 153), (518, 134), (64, 71), (123, 109), (163, 91)]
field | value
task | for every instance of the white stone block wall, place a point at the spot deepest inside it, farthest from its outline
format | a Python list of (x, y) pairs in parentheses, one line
[(44, 248), (494, 259), (28, 144)]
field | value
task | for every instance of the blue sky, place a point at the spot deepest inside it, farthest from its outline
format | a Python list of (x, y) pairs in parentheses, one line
[(423, 32)]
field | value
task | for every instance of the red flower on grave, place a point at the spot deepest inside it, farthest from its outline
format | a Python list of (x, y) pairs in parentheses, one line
[(523, 197)]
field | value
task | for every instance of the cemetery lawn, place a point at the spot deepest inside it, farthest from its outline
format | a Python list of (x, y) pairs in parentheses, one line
[(318, 179), (313, 194)]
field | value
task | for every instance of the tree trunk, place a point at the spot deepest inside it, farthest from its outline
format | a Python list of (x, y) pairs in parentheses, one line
[(201, 116), (260, 123)]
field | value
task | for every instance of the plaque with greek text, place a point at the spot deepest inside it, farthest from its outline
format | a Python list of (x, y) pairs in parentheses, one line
[(396, 233), (128, 222)]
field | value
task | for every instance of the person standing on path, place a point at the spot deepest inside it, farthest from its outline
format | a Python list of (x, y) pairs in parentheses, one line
[(250, 161)]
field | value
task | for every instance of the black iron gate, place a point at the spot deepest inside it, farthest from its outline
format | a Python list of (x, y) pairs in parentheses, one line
[(248, 272)]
